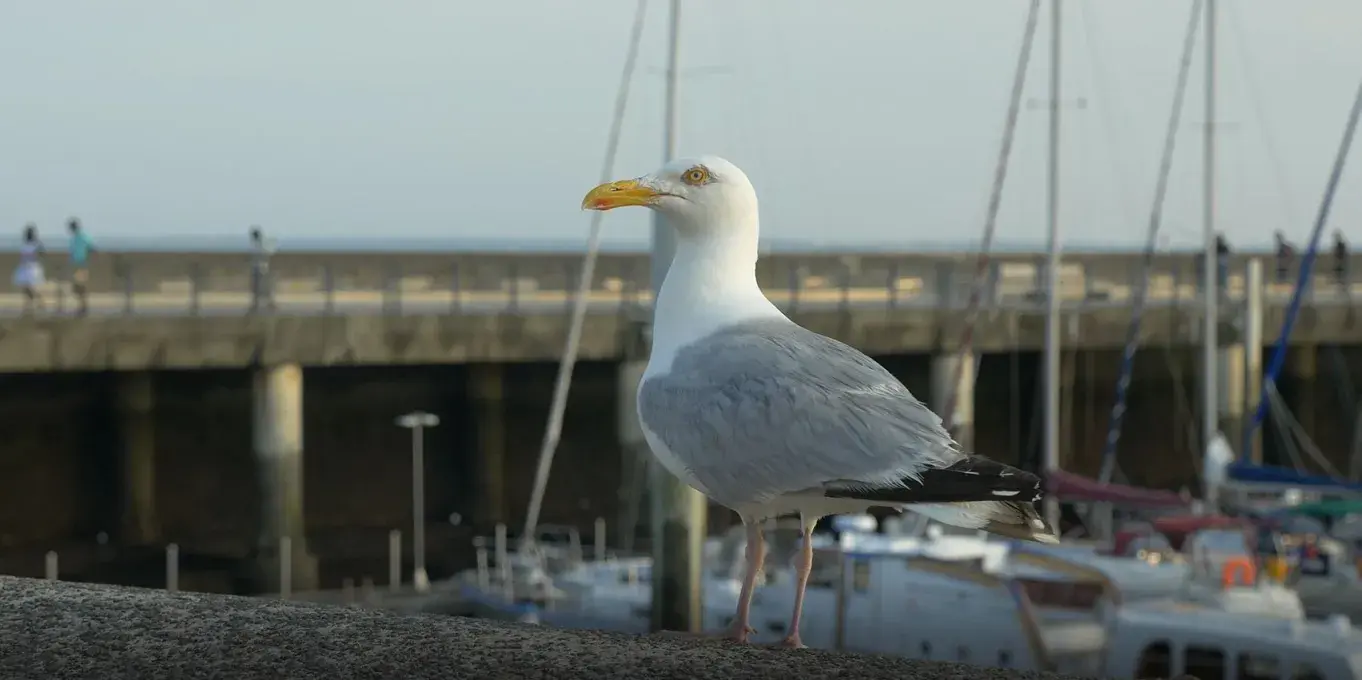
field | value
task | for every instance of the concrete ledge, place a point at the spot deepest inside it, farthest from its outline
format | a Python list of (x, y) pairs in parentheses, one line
[(134, 343), (68, 630)]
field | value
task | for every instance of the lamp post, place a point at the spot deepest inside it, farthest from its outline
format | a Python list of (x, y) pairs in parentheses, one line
[(417, 422)]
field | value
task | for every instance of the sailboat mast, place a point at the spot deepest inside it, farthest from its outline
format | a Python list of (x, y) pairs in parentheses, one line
[(663, 245), (1210, 405), (678, 511), (1051, 380)]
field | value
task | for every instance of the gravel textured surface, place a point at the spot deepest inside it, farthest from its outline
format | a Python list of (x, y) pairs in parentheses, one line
[(68, 630)]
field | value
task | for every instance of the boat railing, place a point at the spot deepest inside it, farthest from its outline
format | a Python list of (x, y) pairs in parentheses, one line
[(971, 571)]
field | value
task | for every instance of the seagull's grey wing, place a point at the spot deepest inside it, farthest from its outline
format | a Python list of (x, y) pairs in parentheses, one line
[(767, 408)]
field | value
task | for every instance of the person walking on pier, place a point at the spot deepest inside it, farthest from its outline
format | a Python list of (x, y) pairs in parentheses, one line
[(1285, 255), (28, 276), (261, 251), (1341, 263), (1222, 265), (79, 251)]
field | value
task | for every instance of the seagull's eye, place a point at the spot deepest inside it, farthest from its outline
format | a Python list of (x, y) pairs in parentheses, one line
[(696, 176)]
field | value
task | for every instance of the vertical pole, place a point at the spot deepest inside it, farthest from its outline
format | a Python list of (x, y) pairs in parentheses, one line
[(1051, 431), (418, 507), (599, 538), (50, 566), (173, 568), (678, 511), (503, 557), (664, 245), (395, 560), (1210, 276), (285, 567), (484, 571)]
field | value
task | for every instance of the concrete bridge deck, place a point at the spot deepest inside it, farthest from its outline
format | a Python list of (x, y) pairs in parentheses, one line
[(62, 630), (192, 310), (132, 343)]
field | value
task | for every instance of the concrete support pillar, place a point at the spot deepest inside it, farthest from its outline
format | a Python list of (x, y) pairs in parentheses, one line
[(486, 390), (278, 430), (952, 394), (1230, 376), (137, 427)]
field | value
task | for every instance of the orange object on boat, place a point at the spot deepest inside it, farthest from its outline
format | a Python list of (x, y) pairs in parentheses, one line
[(1237, 569)]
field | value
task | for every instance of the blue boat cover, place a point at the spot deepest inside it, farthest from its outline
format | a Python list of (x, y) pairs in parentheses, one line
[(1271, 474)]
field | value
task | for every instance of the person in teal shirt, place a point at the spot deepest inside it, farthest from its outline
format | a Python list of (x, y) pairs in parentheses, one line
[(80, 249)]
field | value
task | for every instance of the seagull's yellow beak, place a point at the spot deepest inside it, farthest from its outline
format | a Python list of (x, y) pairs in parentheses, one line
[(613, 195)]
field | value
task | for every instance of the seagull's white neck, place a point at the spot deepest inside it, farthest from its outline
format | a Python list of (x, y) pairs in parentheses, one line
[(712, 283)]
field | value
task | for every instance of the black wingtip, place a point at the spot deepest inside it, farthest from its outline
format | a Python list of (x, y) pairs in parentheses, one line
[(974, 479)]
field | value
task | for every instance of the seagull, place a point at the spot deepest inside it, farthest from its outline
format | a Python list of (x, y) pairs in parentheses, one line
[(768, 418)]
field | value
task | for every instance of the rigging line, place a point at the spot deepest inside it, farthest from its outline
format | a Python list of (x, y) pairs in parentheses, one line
[(1287, 432), (554, 429), (1132, 345), (1093, 37), (1287, 196), (1249, 67), (1182, 405), (1285, 418), (1286, 435), (1303, 279), (995, 200)]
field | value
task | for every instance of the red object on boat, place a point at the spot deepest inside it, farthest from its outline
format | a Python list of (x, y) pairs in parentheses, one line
[(1069, 487)]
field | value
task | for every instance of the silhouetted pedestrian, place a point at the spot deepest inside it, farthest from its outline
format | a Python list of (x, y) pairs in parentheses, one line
[(1286, 256), (1222, 263), (28, 276), (79, 251), (1341, 262), (261, 251)]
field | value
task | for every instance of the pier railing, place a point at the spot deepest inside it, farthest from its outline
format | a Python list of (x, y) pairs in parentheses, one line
[(187, 284)]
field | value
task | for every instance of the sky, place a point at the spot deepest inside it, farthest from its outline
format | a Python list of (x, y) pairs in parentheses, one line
[(866, 123)]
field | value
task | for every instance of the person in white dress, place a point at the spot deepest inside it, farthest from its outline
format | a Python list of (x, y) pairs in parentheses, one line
[(28, 276)]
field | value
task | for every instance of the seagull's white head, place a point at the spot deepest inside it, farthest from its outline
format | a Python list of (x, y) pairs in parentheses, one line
[(697, 195)]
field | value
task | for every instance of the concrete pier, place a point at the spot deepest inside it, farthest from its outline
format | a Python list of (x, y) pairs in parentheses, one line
[(75, 630), (487, 394), (278, 433), (953, 390), (137, 460)]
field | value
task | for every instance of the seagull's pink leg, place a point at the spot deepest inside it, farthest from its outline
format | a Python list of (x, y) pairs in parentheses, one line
[(756, 554), (802, 570)]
